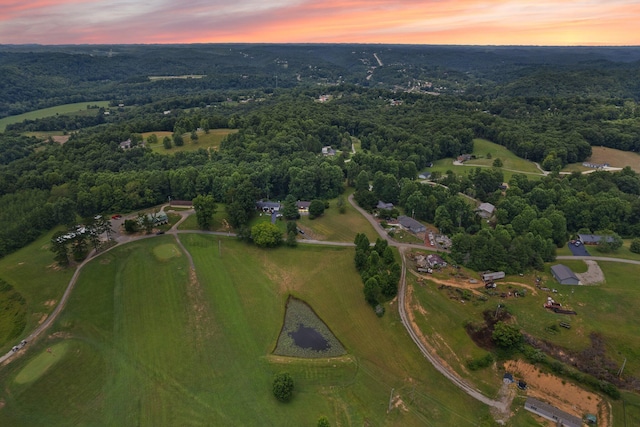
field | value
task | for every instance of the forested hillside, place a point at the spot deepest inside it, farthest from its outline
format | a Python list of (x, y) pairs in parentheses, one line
[(421, 105)]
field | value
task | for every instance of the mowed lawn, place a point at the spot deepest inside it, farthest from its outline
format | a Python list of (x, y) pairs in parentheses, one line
[(207, 141), (51, 111), (150, 344)]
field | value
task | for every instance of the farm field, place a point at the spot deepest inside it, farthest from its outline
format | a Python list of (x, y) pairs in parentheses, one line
[(615, 158), (51, 111), (146, 342), (210, 141), (481, 147)]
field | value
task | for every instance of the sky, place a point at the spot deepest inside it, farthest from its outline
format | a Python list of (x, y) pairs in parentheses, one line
[(468, 22)]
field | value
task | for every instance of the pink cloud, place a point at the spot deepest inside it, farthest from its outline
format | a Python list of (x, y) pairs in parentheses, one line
[(374, 21)]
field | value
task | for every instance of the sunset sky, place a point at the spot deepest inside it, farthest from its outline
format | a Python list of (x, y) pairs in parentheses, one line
[(479, 22)]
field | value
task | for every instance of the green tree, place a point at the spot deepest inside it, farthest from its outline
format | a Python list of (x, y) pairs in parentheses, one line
[(497, 163), (266, 235), (635, 246), (316, 208), (205, 207), (283, 387), (506, 335), (372, 291), (194, 137), (289, 208), (60, 249), (323, 422), (609, 243), (152, 139), (178, 140), (166, 143), (342, 207)]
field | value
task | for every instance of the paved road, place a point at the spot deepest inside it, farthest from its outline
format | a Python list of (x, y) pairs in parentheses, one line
[(599, 258)]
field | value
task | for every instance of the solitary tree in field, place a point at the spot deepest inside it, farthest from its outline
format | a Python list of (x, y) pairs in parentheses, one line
[(166, 143), (316, 208), (283, 387), (635, 246)]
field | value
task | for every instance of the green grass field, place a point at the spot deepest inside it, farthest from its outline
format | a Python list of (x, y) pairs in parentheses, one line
[(150, 344), (481, 147), (207, 141), (32, 272), (48, 112)]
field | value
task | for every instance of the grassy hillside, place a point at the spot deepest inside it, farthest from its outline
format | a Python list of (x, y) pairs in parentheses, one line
[(48, 112), (144, 342)]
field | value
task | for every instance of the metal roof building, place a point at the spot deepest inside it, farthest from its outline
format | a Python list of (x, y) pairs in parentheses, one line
[(564, 275), (552, 413)]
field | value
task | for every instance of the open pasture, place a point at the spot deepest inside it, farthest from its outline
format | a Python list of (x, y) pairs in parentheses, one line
[(51, 111), (207, 141), (615, 158), (150, 343)]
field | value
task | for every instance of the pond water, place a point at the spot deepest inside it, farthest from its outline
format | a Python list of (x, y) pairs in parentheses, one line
[(309, 338)]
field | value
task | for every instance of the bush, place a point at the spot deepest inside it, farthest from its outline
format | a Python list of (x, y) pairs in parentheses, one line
[(283, 387), (635, 246), (480, 362)]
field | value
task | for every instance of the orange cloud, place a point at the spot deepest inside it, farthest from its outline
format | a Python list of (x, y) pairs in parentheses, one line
[(541, 22)]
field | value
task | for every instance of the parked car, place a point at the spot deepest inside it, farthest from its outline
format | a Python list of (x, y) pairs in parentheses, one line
[(159, 232), (118, 216)]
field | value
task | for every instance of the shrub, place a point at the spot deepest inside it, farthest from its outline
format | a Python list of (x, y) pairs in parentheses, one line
[(480, 362), (283, 387), (635, 246)]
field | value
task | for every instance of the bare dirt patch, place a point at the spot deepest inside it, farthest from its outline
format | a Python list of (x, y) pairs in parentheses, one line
[(43, 317), (559, 393), (61, 139), (50, 303), (593, 275)]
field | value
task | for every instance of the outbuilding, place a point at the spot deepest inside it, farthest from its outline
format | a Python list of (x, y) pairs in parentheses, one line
[(490, 277), (564, 275), (485, 210), (552, 413)]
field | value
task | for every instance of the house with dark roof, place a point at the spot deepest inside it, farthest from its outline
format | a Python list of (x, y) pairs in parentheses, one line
[(594, 239), (485, 210), (267, 206), (411, 224), (303, 206), (552, 413), (564, 275), (383, 205)]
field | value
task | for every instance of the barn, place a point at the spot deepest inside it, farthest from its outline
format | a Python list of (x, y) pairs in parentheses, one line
[(552, 413)]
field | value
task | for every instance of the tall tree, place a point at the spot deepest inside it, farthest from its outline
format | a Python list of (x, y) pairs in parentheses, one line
[(205, 207)]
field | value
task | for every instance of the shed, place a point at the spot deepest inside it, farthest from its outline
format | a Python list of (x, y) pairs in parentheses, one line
[(490, 277), (411, 224), (564, 275), (424, 175), (552, 413)]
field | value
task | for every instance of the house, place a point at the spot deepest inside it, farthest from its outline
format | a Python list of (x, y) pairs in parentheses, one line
[(383, 205), (490, 277), (485, 210), (328, 151), (157, 218), (435, 261), (564, 275), (464, 157), (551, 413), (125, 145), (424, 175), (593, 239), (411, 224), (303, 207), (267, 206)]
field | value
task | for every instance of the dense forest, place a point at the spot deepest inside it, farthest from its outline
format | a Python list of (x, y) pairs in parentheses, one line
[(549, 105)]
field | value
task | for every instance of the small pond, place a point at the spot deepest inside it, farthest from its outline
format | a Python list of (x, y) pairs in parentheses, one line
[(305, 337), (304, 334)]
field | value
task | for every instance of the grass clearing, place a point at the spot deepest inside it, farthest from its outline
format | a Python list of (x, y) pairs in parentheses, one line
[(615, 158), (151, 344), (207, 141), (481, 147), (51, 111), (33, 274), (41, 363), (166, 251)]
